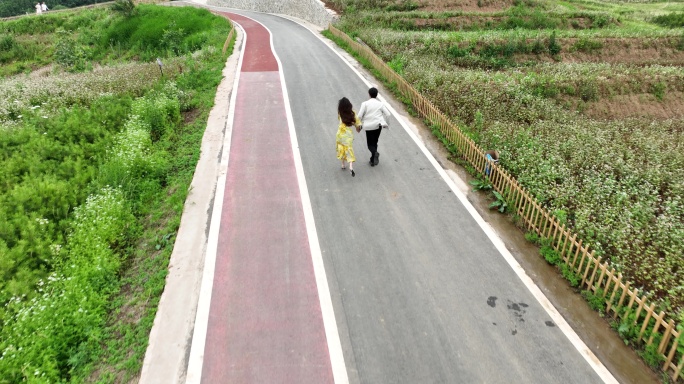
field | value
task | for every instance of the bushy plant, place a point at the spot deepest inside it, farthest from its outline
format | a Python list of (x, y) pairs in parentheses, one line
[(554, 47), (569, 275), (585, 44), (651, 356), (124, 7), (670, 20), (551, 256), (397, 64), (500, 203), (595, 300), (658, 89), (42, 336), (69, 53), (159, 110), (481, 185), (533, 238)]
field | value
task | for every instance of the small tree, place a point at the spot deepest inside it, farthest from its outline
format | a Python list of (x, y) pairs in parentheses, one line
[(125, 7), (554, 47)]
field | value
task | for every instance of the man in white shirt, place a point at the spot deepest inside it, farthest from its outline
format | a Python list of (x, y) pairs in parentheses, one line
[(373, 115)]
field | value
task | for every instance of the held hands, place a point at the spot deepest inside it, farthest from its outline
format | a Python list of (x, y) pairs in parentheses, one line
[(358, 128)]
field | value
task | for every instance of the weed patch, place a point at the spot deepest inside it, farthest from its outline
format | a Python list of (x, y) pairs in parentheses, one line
[(87, 160)]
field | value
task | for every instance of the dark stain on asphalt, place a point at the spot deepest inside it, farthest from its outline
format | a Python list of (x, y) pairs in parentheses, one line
[(518, 310), (491, 301), (549, 323)]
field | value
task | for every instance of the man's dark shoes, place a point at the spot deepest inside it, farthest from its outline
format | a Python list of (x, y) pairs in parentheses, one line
[(376, 161)]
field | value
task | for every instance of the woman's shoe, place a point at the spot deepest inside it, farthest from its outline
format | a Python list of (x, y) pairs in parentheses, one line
[(353, 173)]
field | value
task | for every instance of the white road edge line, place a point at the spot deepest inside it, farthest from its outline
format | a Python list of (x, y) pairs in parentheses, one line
[(199, 336), (588, 355), (332, 335)]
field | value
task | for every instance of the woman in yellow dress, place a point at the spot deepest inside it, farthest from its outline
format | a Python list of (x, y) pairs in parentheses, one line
[(345, 137)]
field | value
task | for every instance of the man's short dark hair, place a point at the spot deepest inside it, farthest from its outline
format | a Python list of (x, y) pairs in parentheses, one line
[(373, 92)]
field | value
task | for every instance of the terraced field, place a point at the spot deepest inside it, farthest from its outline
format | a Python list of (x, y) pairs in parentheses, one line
[(583, 99)]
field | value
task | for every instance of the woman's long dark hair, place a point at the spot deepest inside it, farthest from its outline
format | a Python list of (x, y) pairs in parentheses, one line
[(347, 115)]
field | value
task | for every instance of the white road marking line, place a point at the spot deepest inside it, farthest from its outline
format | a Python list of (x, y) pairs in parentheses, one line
[(199, 336), (327, 311), (581, 347)]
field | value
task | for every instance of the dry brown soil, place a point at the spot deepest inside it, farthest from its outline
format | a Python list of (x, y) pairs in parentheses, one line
[(464, 5), (630, 51)]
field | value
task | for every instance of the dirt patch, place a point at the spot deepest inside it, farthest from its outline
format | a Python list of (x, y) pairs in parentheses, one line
[(464, 5), (456, 23), (661, 51), (41, 72), (191, 115), (643, 105), (443, 5), (333, 6)]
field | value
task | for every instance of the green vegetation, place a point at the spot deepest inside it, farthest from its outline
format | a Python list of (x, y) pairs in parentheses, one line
[(21, 7), (544, 82), (96, 156)]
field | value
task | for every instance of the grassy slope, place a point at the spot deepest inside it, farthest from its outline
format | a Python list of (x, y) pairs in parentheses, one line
[(112, 45)]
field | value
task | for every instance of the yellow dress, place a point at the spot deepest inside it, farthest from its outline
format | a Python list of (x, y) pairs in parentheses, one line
[(344, 140)]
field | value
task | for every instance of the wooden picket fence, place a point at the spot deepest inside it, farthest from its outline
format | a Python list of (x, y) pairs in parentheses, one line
[(623, 302), (230, 35)]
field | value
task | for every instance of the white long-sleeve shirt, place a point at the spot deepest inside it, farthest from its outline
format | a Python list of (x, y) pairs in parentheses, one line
[(373, 113)]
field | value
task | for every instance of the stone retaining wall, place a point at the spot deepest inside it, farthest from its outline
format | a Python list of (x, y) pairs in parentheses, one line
[(313, 11)]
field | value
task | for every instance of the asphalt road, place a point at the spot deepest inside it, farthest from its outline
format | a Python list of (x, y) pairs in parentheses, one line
[(420, 293)]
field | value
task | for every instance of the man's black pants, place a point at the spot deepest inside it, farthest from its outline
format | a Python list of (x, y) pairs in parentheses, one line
[(372, 141)]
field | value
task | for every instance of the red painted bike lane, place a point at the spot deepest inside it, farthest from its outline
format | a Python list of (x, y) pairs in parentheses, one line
[(265, 323)]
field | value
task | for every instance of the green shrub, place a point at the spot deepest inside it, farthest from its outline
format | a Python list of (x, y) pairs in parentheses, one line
[(44, 335), (551, 256), (588, 90), (628, 331), (587, 45), (595, 300), (500, 203), (569, 275), (553, 47), (125, 7), (7, 43), (481, 185), (538, 47), (397, 64), (658, 89), (533, 238), (402, 6), (159, 110), (670, 20), (652, 357), (456, 51), (69, 53), (679, 45)]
